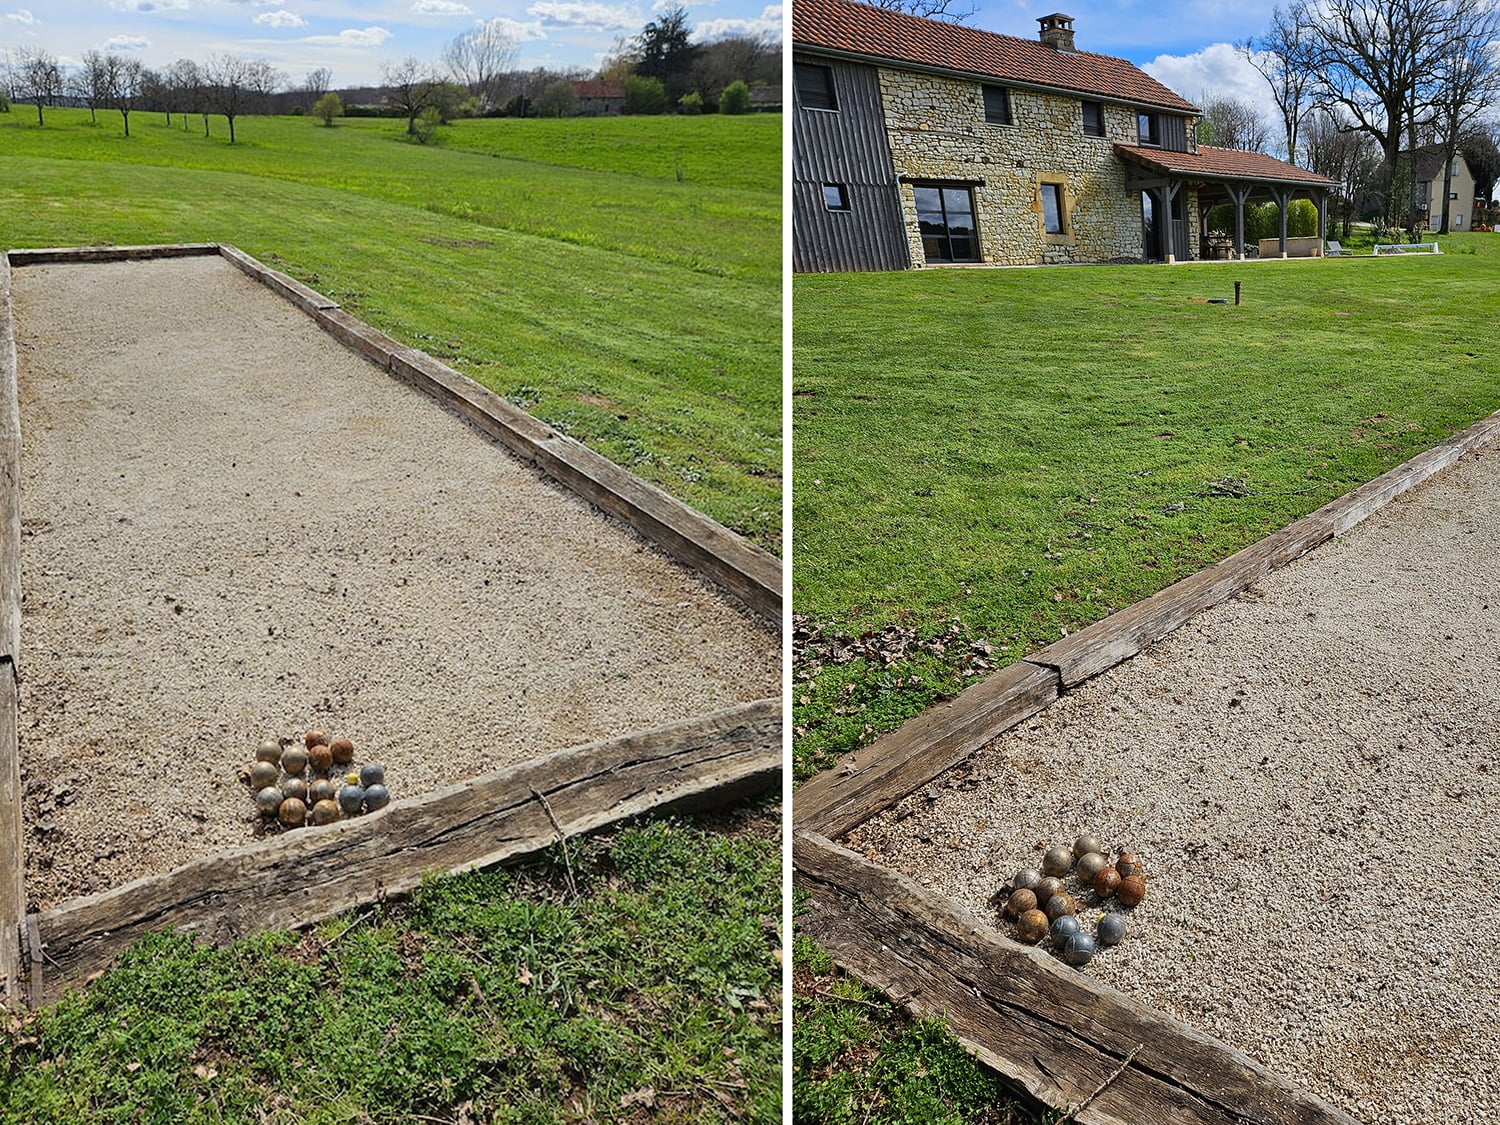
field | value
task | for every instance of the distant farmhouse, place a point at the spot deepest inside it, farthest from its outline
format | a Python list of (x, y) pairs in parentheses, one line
[(918, 142), (1429, 189), (599, 97)]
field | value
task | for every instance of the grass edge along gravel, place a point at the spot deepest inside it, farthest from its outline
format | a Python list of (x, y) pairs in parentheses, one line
[(534, 279), (857, 1059), (492, 996), (998, 484)]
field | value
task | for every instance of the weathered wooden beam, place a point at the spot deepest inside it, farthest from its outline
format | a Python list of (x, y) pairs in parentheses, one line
[(1121, 635), (306, 299), (923, 747), (50, 254), (301, 877), (699, 543), (12, 853), (1053, 1030)]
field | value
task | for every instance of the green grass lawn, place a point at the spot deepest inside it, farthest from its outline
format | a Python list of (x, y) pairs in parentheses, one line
[(564, 264), (499, 997), (1006, 455)]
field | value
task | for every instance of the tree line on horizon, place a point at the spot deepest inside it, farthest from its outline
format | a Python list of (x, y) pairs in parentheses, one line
[(660, 70)]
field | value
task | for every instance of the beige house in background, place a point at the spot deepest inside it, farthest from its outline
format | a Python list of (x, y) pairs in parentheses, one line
[(1429, 190)]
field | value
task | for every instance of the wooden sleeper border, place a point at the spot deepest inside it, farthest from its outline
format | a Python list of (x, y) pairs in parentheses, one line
[(299, 878), (1057, 1033)]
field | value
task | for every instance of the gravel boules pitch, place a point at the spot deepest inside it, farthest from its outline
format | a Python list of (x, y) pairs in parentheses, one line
[(231, 521), (1309, 773)]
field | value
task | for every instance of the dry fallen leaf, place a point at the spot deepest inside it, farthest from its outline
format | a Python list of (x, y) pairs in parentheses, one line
[(645, 1096), (523, 977)]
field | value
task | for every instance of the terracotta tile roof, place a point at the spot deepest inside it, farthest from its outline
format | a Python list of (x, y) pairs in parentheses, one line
[(1211, 163), (859, 29), (599, 88)]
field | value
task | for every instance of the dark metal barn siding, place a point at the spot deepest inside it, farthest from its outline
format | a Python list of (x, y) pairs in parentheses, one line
[(845, 146)]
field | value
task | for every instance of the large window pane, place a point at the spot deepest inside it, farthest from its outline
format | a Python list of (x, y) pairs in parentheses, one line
[(815, 86), (1052, 208), (945, 216)]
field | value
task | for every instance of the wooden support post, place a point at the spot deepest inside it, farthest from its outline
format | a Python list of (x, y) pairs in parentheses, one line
[(1239, 195), (1320, 201), (1168, 196), (1283, 201), (1065, 1038), (12, 851)]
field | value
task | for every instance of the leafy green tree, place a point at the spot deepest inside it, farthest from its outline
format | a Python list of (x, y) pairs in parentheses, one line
[(665, 53), (557, 99), (329, 106), (735, 98), (645, 95), (426, 125), (690, 103)]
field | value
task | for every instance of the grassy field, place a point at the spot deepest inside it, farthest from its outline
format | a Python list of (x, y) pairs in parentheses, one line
[(502, 997), (995, 458), (564, 264)]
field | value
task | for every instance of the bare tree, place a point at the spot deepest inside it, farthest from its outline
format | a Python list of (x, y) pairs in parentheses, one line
[(1466, 82), (1374, 59), (1330, 147), (750, 59), (479, 60), (1281, 57), (236, 86), (409, 86), (35, 77), (184, 80), (90, 83), (316, 84), (955, 10), (1230, 123), (122, 79)]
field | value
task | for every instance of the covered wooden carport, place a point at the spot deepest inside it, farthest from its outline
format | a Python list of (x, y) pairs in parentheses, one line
[(1225, 175)]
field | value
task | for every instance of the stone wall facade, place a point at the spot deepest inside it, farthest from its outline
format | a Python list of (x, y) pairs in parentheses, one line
[(938, 132)]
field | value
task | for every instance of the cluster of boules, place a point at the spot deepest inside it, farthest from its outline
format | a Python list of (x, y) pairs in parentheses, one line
[(1044, 908), (296, 784)]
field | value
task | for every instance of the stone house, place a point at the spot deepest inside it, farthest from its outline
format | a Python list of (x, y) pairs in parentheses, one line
[(918, 142), (599, 97)]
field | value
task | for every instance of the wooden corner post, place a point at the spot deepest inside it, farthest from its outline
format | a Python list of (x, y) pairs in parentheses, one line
[(12, 854)]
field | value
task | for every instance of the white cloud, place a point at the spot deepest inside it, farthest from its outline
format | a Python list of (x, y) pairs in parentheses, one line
[(520, 32), (441, 8), (21, 15), (1218, 69), (767, 24), (149, 5), (352, 37), (127, 43), (280, 18), (586, 13)]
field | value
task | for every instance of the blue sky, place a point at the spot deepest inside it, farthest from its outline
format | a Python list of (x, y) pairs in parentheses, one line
[(352, 38)]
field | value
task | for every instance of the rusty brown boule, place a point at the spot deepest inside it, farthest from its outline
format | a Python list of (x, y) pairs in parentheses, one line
[(319, 757), (1031, 927), (1020, 902), (293, 813), (1107, 882), (314, 738), (343, 750), (1132, 890)]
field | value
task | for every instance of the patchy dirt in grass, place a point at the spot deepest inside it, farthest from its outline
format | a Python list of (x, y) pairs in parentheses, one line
[(236, 528)]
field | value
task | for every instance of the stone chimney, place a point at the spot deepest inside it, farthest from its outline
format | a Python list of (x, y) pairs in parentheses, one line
[(1057, 32)]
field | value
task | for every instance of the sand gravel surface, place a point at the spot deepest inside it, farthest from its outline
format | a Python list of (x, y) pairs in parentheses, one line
[(1309, 773), (234, 528)]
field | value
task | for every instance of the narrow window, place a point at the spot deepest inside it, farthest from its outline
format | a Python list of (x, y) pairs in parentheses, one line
[(1093, 119), (1146, 129), (1052, 208), (946, 217), (835, 197), (1453, 171), (997, 105), (1458, 220), (815, 86)]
